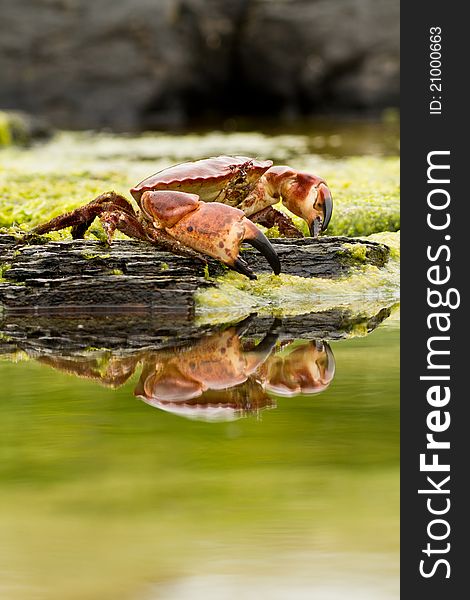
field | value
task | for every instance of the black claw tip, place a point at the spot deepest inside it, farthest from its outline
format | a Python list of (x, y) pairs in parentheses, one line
[(328, 210), (242, 326), (316, 227), (240, 266), (263, 245)]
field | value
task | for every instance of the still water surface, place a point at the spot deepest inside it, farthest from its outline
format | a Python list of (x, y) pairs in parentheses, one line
[(285, 497)]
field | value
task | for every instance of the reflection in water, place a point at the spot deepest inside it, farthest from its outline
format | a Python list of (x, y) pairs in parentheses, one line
[(110, 371), (219, 377), (306, 368), (302, 504)]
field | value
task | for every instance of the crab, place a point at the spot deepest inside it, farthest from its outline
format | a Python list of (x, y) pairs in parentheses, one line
[(209, 207)]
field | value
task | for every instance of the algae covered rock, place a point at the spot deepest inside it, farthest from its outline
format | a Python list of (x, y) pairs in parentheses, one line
[(317, 274), (20, 128)]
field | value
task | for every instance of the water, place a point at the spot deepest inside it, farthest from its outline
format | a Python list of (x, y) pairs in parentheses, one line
[(107, 496)]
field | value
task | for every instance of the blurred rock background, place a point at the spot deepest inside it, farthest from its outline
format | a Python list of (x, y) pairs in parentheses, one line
[(143, 64)]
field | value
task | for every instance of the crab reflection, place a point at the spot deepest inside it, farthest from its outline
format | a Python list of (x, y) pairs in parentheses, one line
[(307, 367), (220, 380), (106, 369), (221, 376)]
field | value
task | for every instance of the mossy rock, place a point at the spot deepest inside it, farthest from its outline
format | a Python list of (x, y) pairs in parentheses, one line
[(19, 128), (84, 274)]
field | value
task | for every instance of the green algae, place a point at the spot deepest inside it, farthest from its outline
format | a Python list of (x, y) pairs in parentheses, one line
[(357, 252), (3, 269), (40, 182), (94, 256), (391, 239), (366, 196), (6, 138), (365, 290), (13, 130), (28, 199)]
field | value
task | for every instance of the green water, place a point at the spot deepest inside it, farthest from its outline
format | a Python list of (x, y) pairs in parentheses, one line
[(105, 496)]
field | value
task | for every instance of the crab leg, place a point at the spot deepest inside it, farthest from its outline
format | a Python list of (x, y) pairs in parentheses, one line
[(81, 218), (115, 213), (269, 217)]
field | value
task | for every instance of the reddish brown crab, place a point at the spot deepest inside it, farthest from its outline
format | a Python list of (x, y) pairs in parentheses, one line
[(208, 207)]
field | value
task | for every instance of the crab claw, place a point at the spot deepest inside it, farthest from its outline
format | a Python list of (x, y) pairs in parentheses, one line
[(211, 228), (258, 240), (323, 203), (305, 195), (306, 369), (316, 206)]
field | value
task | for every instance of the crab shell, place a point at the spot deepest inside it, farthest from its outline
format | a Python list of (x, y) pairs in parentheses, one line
[(218, 405), (225, 179), (216, 362), (195, 203)]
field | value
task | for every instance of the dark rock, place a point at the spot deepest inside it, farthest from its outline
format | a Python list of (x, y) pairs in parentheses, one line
[(127, 334), (133, 276), (304, 55), (140, 64)]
